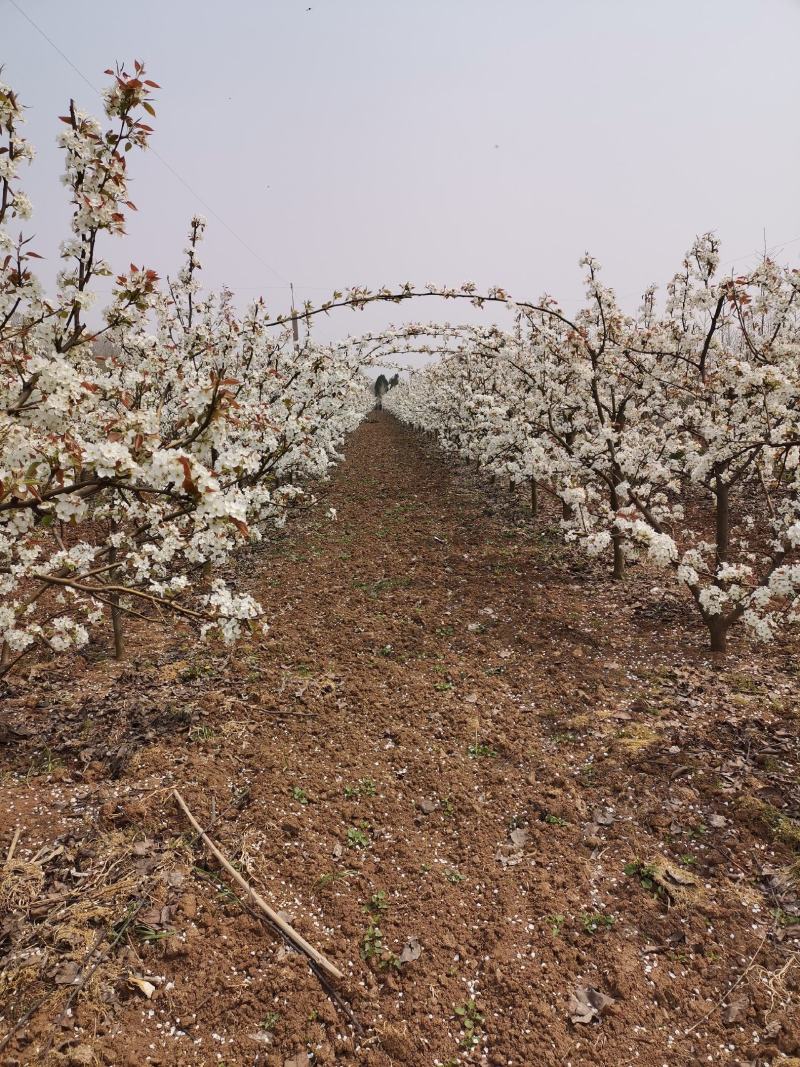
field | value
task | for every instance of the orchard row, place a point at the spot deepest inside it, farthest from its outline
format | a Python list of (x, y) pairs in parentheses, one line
[(136, 454), (141, 445), (671, 435)]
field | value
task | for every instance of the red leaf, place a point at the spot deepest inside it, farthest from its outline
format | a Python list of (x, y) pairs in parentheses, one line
[(188, 481), (242, 527)]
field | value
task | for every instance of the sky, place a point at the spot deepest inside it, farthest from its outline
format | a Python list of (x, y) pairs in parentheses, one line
[(339, 142)]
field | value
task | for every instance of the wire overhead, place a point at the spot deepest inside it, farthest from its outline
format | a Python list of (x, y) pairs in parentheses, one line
[(175, 173)]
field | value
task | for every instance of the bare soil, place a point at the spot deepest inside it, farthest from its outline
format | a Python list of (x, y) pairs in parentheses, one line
[(518, 805)]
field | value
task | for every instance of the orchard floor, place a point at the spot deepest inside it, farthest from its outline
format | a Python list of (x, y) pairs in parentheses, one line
[(460, 747)]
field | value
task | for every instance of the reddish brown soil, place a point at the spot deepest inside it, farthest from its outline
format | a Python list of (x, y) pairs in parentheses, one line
[(477, 734)]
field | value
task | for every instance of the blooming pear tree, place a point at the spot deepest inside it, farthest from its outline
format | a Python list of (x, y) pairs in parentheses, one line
[(129, 474)]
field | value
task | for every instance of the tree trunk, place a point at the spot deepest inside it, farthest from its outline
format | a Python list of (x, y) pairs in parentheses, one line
[(617, 543), (723, 520), (534, 497), (619, 557), (717, 624), (116, 615), (116, 622), (718, 632)]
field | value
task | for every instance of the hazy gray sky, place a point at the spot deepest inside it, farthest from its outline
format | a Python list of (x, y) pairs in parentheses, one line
[(374, 141)]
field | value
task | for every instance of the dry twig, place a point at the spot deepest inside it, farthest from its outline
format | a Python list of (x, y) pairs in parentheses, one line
[(289, 933), (12, 847)]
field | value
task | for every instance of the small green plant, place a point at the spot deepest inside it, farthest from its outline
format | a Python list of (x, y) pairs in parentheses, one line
[(224, 894), (743, 683), (377, 903), (447, 808), (300, 795), (555, 820), (443, 687), (149, 935), (386, 650), (363, 788), (783, 918), (687, 859), (645, 872), (646, 875), (270, 1021), (454, 876), (373, 949), (356, 838), (201, 733), (480, 751), (195, 671), (330, 877), (45, 762), (372, 941), (596, 920), (556, 923), (471, 1023)]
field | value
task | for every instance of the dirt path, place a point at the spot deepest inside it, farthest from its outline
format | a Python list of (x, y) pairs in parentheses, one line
[(454, 741)]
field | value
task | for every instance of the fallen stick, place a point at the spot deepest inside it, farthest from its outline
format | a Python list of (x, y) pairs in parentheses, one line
[(289, 933), (12, 847)]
